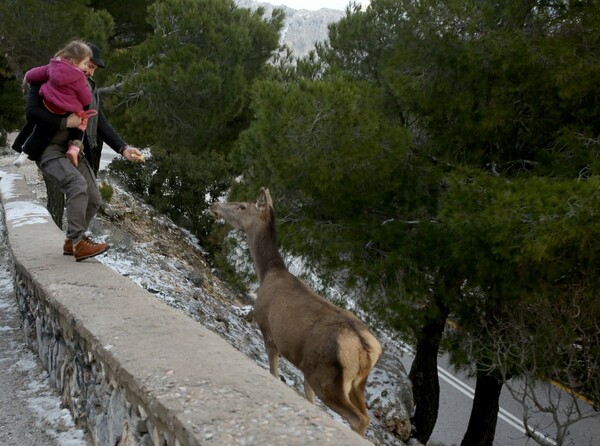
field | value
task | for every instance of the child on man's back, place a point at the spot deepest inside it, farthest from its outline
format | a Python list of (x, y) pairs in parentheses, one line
[(64, 91)]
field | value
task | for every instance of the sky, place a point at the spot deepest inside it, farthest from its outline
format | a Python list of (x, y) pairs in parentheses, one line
[(316, 4)]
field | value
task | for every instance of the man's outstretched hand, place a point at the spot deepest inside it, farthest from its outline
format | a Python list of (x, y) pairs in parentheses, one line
[(134, 155)]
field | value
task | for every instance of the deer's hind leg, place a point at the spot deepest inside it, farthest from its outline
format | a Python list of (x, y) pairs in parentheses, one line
[(336, 396), (343, 406), (357, 395)]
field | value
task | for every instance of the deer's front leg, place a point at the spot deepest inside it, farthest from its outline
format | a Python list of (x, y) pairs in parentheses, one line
[(273, 355)]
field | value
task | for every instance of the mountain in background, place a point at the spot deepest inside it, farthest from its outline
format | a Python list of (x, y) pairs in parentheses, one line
[(302, 28)]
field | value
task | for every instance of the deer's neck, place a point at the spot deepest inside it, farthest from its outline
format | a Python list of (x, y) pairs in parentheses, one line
[(266, 256)]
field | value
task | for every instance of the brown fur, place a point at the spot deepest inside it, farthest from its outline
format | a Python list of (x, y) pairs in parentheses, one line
[(330, 345)]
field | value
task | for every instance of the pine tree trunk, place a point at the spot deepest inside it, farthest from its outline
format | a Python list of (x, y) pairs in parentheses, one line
[(424, 374), (484, 414), (55, 202)]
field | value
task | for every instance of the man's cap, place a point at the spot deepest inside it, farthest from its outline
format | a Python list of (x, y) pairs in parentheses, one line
[(96, 56)]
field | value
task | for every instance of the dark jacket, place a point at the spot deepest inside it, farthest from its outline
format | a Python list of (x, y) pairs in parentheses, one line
[(42, 126)]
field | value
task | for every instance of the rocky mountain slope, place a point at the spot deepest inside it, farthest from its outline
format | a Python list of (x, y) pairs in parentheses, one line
[(302, 28)]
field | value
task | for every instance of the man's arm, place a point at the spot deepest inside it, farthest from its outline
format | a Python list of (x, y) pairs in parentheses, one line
[(115, 142), (108, 134)]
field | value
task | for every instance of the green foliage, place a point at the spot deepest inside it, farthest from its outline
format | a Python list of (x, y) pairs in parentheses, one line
[(181, 191), (40, 28), (186, 96), (219, 246), (502, 86), (547, 231), (189, 86), (357, 44), (326, 138), (131, 25), (532, 247), (12, 110), (134, 176), (106, 191), (340, 171)]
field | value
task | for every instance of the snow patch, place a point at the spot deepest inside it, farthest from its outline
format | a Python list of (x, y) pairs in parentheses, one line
[(7, 181), (21, 213)]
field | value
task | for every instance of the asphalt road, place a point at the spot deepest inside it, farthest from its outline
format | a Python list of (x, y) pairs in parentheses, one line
[(456, 399)]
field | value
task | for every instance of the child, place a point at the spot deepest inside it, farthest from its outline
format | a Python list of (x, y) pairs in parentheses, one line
[(65, 90)]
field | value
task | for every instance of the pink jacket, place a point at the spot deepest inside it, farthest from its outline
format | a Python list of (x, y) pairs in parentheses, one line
[(65, 86)]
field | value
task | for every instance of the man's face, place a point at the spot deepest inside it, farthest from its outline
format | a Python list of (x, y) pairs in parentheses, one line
[(91, 68)]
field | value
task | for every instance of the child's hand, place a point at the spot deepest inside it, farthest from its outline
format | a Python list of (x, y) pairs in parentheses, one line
[(73, 121), (83, 124)]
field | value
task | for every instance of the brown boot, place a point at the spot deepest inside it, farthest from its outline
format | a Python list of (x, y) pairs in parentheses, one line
[(68, 247), (86, 248)]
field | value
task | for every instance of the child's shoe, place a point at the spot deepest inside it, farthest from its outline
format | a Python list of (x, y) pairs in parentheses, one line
[(20, 160), (75, 148)]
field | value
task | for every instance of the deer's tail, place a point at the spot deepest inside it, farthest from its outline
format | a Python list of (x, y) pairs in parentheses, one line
[(369, 353)]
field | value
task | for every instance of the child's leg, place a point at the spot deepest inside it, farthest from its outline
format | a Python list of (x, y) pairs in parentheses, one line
[(75, 147)]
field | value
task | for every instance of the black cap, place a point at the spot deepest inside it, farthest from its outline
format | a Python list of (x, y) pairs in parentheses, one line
[(96, 56)]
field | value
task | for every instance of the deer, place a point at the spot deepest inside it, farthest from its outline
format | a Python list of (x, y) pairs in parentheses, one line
[(332, 347)]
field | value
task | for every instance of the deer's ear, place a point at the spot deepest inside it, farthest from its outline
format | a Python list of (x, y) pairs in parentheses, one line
[(264, 199), (268, 197), (261, 200)]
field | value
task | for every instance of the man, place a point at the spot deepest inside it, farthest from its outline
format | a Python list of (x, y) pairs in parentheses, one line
[(77, 181)]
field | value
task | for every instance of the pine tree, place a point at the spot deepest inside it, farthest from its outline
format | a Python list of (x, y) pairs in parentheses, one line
[(507, 90), (186, 94)]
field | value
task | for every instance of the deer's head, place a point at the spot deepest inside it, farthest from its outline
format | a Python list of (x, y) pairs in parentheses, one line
[(245, 215)]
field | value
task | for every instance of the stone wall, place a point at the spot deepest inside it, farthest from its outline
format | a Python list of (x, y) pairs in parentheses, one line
[(86, 386)]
